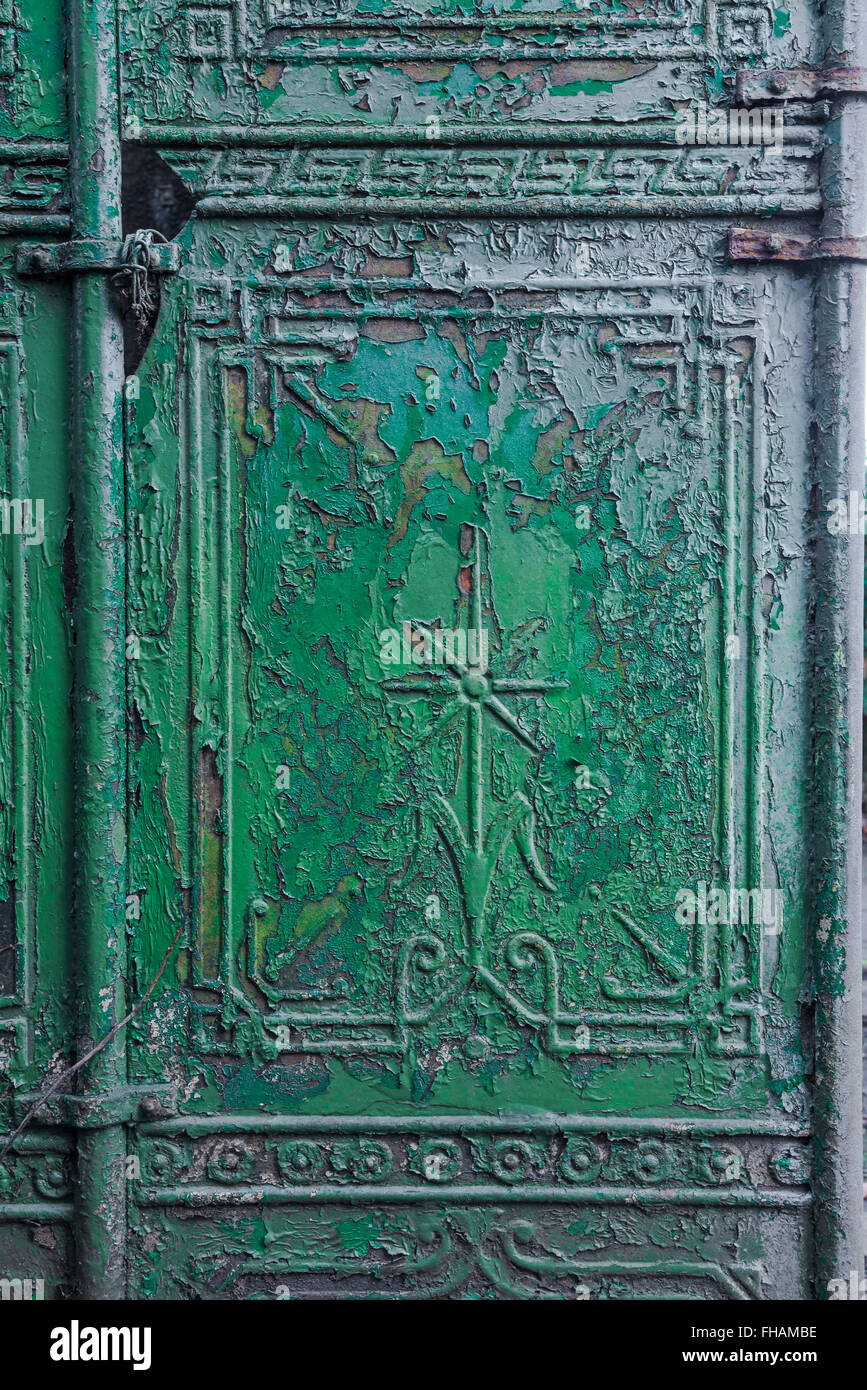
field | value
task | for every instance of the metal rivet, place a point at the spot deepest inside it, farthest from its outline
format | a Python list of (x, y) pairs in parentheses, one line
[(779, 83), (773, 243)]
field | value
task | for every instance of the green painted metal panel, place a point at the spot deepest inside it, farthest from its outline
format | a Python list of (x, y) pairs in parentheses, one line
[(448, 602), (36, 947)]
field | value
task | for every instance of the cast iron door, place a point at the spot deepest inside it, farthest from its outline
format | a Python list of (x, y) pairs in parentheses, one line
[(464, 646)]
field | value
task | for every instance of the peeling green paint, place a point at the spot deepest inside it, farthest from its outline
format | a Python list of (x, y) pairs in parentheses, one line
[(443, 358), (782, 23)]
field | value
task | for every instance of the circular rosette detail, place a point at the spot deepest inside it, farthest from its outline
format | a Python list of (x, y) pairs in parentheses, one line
[(722, 1165), (230, 1163), (652, 1161), (53, 1178), (581, 1161), (439, 1160), (164, 1162), (514, 1160), (791, 1166), (369, 1161), (299, 1161)]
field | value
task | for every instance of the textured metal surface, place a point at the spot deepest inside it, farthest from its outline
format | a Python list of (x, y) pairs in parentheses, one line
[(76, 257), (98, 613), (839, 624), (495, 935), (756, 244), (456, 347), (37, 968), (801, 84)]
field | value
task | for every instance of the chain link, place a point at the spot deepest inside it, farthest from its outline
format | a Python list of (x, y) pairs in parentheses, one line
[(136, 277)]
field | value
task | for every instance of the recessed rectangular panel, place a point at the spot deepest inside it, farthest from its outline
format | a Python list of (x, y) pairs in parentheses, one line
[(492, 901)]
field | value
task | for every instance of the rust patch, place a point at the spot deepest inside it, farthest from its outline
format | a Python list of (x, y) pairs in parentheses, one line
[(552, 442), (394, 267), (393, 331), (758, 244), (426, 459), (270, 76), (209, 801)]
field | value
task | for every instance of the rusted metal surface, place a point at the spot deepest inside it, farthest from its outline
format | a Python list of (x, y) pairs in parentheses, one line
[(760, 244), (801, 84), (463, 672)]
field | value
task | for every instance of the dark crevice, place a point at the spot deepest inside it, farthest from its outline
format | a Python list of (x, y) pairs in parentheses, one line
[(7, 941), (69, 570), (152, 197), (807, 1023), (137, 728)]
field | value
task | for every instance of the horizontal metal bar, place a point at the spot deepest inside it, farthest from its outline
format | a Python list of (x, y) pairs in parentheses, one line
[(574, 1195), (195, 1125), (123, 1106), (36, 1211), (31, 223), (89, 254), (342, 208), (41, 1141), (458, 134), (359, 23), (407, 50), (539, 282), (757, 244), (34, 151), (804, 84)]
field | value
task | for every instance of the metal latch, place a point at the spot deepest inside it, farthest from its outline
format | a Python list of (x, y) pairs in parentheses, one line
[(756, 244), (111, 257), (131, 263), (800, 84), (102, 1108)]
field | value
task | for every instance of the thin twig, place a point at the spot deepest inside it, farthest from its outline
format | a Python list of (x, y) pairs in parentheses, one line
[(82, 1061)]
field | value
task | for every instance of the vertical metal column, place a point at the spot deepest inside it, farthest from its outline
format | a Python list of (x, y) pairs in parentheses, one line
[(839, 589), (98, 522)]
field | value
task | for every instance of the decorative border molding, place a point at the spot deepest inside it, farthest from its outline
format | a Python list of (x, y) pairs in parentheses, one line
[(442, 1259), (16, 1020), (471, 179), (33, 186), (225, 320), (470, 1160), (466, 1204), (207, 31), (425, 1253), (236, 35), (35, 1183)]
